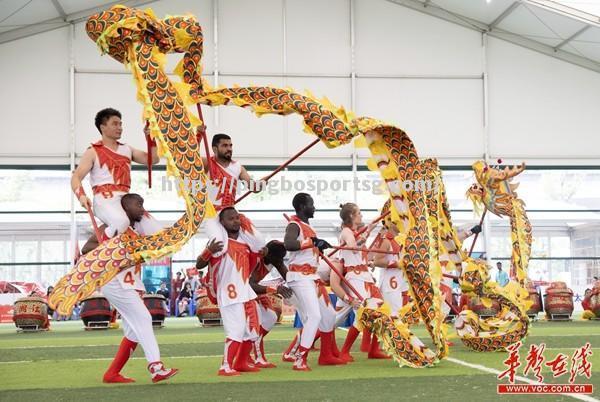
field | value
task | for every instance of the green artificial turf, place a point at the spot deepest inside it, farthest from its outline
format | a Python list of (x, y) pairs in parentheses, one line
[(67, 364)]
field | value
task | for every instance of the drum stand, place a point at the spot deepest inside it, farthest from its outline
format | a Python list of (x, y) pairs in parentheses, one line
[(31, 328), (158, 324), (93, 325), (211, 322), (560, 317)]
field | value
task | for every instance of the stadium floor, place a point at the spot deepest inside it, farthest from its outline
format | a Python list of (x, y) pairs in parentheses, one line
[(66, 364)]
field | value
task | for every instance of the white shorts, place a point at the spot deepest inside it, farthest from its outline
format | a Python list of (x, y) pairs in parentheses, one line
[(241, 321)]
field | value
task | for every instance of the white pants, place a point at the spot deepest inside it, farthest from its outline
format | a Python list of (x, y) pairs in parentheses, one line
[(306, 301), (137, 321), (328, 314), (394, 299), (342, 308), (236, 323), (268, 318), (110, 211)]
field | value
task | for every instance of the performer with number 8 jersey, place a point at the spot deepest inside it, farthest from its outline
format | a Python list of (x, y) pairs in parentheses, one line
[(232, 256)]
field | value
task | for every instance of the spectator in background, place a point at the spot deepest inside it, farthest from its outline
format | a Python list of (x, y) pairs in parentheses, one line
[(176, 286), (163, 291), (50, 290), (185, 297), (192, 280), (501, 276), (585, 303)]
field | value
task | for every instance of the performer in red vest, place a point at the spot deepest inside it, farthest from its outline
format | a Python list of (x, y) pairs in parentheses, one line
[(108, 163), (226, 173)]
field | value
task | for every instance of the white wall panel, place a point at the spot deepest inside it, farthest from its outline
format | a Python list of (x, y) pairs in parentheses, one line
[(97, 91), (250, 36), (391, 39), (34, 106), (540, 106), (88, 56), (318, 36), (444, 118), (252, 136)]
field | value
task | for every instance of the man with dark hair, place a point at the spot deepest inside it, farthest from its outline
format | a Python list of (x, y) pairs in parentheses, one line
[(313, 305), (123, 292), (108, 163), (268, 317), (501, 276), (231, 259), (226, 173)]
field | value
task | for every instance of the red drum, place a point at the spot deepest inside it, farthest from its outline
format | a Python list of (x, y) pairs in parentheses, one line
[(207, 311), (156, 305), (96, 312), (31, 313), (477, 306), (535, 297), (558, 300)]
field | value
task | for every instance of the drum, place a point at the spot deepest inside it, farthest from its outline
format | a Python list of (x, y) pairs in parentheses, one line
[(95, 312), (535, 297), (156, 305), (207, 312), (480, 309), (31, 313), (558, 300), (274, 301)]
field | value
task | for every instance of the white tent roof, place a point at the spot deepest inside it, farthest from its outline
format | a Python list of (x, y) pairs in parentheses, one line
[(550, 27)]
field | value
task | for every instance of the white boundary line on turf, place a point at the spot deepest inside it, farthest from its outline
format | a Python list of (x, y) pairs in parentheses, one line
[(111, 358), (479, 367)]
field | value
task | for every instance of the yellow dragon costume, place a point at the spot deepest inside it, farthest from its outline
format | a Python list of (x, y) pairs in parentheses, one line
[(140, 41)]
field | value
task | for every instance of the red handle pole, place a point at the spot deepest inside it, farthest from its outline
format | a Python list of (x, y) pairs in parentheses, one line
[(368, 250), (149, 155), (281, 167), (202, 135), (339, 274), (94, 224), (477, 234)]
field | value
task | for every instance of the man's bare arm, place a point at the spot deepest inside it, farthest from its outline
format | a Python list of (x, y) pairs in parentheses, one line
[(290, 240)]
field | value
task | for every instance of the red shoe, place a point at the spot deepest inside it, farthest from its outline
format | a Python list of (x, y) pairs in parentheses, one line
[(350, 338), (375, 351), (264, 365), (116, 378), (300, 364), (326, 357), (346, 357), (228, 372), (160, 372), (242, 360), (365, 343), (289, 358)]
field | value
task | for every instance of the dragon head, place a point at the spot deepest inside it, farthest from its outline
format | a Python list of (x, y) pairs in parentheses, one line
[(493, 188)]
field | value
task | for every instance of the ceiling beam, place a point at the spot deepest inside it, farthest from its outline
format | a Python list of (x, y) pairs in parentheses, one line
[(566, 11), (60, 22), (504, 14), (570, 38), (60, 10), (433, 10)]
